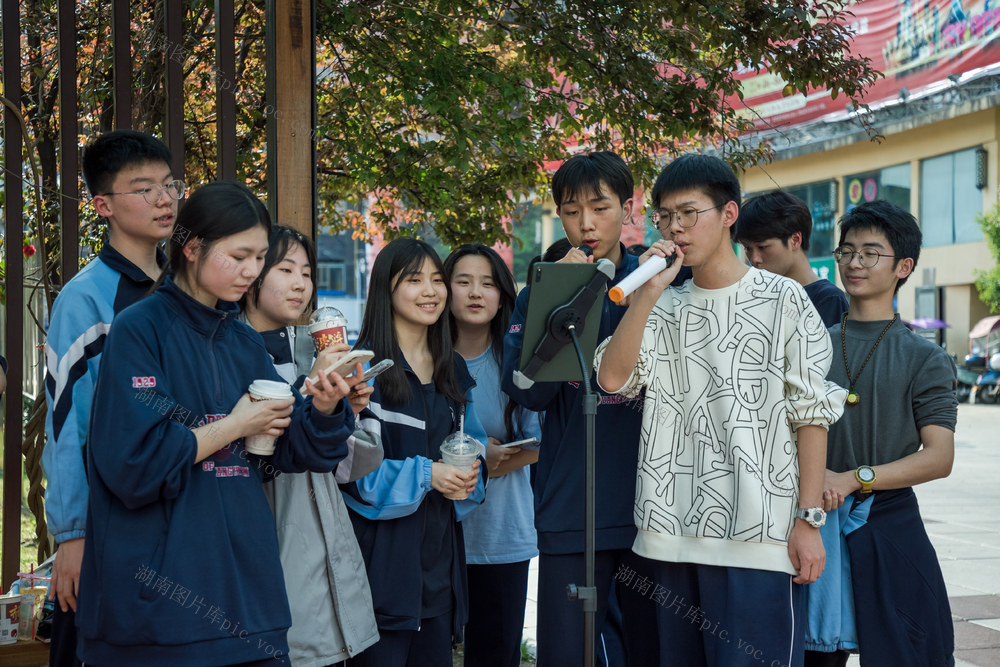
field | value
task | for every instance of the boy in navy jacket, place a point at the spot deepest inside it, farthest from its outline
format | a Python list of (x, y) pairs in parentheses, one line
[(129, 177), (593, 195), (774, 229)]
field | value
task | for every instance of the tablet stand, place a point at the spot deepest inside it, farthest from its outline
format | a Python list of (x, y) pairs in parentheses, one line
[(563, 326)]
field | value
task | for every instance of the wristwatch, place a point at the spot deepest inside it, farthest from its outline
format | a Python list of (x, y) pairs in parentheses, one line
[(866, 477), (814, 516)]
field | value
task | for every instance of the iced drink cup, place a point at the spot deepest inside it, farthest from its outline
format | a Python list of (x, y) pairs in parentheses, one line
[(460, 450), (265, 390)]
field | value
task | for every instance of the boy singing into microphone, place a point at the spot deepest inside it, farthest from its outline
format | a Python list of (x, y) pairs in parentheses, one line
[(593, 195), (729, 495)]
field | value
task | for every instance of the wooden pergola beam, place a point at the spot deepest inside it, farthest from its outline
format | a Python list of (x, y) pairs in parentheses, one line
[(291, 94)]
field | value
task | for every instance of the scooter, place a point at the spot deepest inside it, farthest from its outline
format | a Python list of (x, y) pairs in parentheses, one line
[(984, 358), (987, 387), (967, 378)]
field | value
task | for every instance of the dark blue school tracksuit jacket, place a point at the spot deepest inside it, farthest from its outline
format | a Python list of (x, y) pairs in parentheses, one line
[(559, 482), (388, 509), (181, 562)]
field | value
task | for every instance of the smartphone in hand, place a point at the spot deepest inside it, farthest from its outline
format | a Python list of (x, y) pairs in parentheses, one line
[(346, 363), (377, 369), (527, 442)]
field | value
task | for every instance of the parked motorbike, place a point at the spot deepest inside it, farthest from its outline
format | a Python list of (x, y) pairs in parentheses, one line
[(987, 388), (966, 381), (984, 358)]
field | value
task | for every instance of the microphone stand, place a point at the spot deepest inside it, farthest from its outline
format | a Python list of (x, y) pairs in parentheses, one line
[(562, 327), (588, 593)]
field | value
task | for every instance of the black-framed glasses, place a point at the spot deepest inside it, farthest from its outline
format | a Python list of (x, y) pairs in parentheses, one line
[(152, 193), (687, 217), (867, 256)]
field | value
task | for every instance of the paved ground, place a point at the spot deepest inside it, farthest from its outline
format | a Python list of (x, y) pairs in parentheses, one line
[(962, 514)]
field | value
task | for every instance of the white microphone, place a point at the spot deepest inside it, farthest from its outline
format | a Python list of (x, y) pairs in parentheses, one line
[(637, 278)]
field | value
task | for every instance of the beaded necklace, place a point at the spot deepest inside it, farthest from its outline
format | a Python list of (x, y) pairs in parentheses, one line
[(852, 396)]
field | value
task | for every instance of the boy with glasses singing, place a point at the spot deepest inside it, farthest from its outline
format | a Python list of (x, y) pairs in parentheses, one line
[(729, 492), (897, 431), (129, 176)]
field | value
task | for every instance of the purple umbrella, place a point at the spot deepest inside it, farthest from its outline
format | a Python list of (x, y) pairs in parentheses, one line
[(927, 323)]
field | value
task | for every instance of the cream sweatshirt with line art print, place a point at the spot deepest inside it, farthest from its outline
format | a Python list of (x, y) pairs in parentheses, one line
[(729, 375)]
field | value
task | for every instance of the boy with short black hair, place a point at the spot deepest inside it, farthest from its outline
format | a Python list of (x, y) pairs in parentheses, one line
[(593, 195), (774, 229), (730, 482), (897, 431), (130, 179)]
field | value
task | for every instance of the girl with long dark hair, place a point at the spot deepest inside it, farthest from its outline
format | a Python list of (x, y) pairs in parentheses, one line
[(500, 537), (404, 514), (181, 562)]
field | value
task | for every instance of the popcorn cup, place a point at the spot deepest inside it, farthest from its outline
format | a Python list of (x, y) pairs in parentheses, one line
[(328, 332), (10, 618)]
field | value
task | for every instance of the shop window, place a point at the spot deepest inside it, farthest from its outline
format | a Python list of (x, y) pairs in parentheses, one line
[(949, 199), (891, 184), (332, 276), (821, 198)]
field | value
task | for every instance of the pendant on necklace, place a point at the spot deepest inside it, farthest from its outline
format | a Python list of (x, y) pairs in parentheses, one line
[(853, 399)]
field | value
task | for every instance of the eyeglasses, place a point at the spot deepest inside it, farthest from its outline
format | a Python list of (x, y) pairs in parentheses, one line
[(687, 218), (152, 194), (867, 256)]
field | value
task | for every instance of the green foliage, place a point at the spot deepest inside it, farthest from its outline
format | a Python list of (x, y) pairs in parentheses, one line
[(449, 111), (443, 118), (988, 281)]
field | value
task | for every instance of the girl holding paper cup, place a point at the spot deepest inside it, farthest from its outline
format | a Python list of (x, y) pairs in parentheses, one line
[(181, 564), (331, 603), (407, 526)]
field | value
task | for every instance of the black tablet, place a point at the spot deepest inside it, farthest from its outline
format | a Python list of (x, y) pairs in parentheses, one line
[(552, 286)]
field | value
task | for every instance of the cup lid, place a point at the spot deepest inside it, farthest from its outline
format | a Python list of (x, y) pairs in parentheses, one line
[(460, 443), (270, 388)]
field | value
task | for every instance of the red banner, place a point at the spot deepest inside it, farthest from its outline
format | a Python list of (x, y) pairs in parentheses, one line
[(915, 43)]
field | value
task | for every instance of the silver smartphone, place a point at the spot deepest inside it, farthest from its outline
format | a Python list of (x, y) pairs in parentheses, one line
[(377, 369), (527, 442)]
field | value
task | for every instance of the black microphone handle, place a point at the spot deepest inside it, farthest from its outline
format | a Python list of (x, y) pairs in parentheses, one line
[(585, 249)]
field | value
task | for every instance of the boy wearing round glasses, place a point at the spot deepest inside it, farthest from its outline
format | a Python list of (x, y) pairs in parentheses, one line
[(729, 491), (897, 431), (129, 176)]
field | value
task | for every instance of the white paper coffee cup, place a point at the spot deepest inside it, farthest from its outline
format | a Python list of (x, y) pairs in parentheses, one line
[(265, 390)]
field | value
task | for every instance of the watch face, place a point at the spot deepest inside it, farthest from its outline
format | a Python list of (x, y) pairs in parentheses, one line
[(866, 474)]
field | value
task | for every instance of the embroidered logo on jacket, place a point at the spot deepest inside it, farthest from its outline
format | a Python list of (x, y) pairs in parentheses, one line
[(143, 382), (225, 471), (514, 328)]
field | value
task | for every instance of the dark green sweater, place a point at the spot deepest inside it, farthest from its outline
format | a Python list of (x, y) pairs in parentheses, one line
[(908, 383)]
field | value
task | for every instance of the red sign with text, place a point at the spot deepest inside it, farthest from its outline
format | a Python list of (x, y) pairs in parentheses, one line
[(915, 43)]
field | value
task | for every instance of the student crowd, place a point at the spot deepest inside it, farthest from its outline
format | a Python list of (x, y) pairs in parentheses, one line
[(754, 473)]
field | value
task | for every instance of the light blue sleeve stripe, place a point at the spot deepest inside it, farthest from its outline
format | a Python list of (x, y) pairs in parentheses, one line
[(394, 489)]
